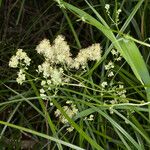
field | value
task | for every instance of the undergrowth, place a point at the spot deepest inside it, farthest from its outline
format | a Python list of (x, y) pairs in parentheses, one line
[(74, 75)]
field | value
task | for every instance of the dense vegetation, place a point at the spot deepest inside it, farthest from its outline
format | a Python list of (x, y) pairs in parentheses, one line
[(75, 74)]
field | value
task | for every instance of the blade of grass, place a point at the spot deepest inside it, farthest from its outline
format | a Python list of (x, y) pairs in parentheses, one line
[(47, 116), (122, 139), (140, 140), (72, 28), (10, 118), (1, 2), (116, 125), (41, 135), (136, 127), (24, 100), (20, 11)]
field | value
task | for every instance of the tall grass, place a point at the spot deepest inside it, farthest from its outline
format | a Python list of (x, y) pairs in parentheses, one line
[(27, 121)]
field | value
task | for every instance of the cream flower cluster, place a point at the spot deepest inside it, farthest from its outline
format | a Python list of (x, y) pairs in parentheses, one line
[(53, 74), (58, 61), (58, 58), (71, 111), (21, 77), (59, 53), (90, 53), (20, 58), (22, 61)]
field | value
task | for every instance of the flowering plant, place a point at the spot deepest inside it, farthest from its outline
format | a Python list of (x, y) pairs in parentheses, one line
[(58, 61)]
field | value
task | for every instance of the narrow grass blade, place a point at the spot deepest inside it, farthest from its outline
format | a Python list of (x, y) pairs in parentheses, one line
[(20, 11), (1, 2), (123, 139), (46, 113), (41, 135), (72, 28), (10, 118), (116, 125), (138, 128)]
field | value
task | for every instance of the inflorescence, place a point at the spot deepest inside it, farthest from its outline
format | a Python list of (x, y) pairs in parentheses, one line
[(58, 62), (52, 72)]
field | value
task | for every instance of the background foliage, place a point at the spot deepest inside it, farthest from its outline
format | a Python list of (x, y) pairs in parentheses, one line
[(24, 23)]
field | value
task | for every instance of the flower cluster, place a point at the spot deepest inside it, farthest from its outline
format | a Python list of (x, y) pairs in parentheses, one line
[(116, 20), (116, 91), (116, 55), (58, 57), (53, 75), (90, 118), (119, 93), (58, 61), (70, 110), (109, 68), (22, 61), (90, 53), (107, 7), (58, 53)]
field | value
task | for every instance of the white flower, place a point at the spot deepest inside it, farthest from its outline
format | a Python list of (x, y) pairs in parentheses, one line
[(111, 74), (113, 101), (27, 61), (57, 113), (103, 84), (42, 91), (57, 53), (21, 77), (61, 50), (107, 6), (20, 58), (74, 109), (43, 83), (114, 52), (71, 111), (68, 102), (56, 76), (43, 96), (109, 66), (13, 62), (49, 82), (119, 58), (46, 69), (43, 47), (70, 129), (20, 54), (91, 118), (90, 53), (119, 11), (121, 91)]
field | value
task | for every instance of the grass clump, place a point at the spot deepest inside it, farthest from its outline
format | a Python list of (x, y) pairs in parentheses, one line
[(83, 79)]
